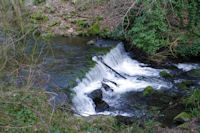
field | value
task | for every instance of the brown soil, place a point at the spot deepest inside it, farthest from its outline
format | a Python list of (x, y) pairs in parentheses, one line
[(66, 13)]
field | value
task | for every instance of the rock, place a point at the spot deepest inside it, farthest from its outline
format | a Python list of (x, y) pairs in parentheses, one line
[(100, 105), (96, 94), (182, 117), (184, 126), (148, 91), (106, 80), (95, 29), (91, 42), (194, 73), (184, 85), (106, 87), (165, 74)]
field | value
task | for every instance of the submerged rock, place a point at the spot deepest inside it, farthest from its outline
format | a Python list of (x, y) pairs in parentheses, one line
[(148, 91), (182, 117), (91, 42), (185, 85), (165, 74), (194, 73)]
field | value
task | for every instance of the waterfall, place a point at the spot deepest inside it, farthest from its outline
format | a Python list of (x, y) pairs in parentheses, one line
[(109, 67)]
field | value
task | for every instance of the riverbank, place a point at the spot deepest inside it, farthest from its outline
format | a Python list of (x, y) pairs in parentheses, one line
[(70, 19), (84, 19)]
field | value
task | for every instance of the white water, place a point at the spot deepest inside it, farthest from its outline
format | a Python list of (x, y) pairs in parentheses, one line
[(138, 76), (188, 66)]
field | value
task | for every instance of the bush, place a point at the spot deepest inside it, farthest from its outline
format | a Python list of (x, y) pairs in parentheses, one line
[(150, 29), (157, 26)]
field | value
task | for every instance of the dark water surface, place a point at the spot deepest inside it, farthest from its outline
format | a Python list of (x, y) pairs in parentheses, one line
[(69, 59)]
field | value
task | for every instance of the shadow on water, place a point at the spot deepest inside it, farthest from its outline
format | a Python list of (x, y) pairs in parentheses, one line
[(70, 59)]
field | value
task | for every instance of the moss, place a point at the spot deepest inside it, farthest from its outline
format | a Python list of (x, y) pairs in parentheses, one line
[(182, 117), (39, 17), (52, 11), (184, 85), (99, 18), (67, 27), (80, 22), (95, 29), (158, 58), (148, 91), (195, 73), (165, 74), (74, 21), (38, 1), (165, 99), (198, 128), (46, 9), (54, 23), (184, 126)]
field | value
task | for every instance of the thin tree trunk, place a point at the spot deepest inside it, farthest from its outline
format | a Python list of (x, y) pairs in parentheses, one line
[(18, 13), (21, 5), (3, 12)]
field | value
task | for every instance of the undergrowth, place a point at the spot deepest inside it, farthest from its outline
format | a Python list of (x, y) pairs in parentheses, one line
[(159, 25)]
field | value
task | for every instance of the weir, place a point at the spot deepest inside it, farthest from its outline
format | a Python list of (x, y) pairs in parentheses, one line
[(120, 65)]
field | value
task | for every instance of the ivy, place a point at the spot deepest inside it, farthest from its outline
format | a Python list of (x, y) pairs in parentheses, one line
[(150, 29), (154, 25)]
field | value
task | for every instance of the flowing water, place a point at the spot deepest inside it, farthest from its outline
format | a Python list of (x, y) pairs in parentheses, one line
[(137, 77), (73, 66), (71, 62)]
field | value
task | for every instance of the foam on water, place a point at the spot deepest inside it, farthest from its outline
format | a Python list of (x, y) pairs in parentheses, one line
[(137, 78), (187, 66)]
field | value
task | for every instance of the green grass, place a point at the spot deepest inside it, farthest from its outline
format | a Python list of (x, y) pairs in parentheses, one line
[(27, 109)]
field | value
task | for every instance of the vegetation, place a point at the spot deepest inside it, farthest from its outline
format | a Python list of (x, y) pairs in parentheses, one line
[(38, 1), (148, 91), (164, 27), (165, 74), (153, 26)]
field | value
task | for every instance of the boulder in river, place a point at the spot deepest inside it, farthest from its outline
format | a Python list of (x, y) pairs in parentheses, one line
[(166, 75), (148, 91), (194, 73), (100, 104), (96, 94), (185, 85), (91, 42)]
